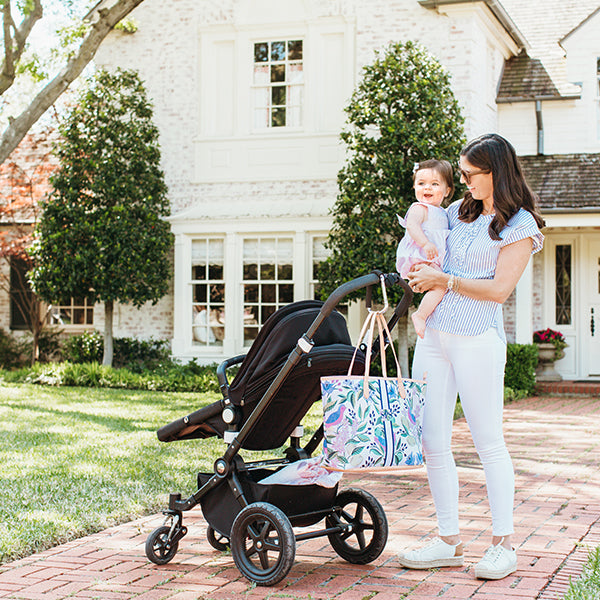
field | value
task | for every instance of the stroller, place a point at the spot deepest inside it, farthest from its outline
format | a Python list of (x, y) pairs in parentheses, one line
[(277, 383)]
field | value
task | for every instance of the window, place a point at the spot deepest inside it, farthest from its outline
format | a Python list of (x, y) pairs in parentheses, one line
[(77, 313), (22, 300), (208, 292), (278, 84), (267, 281), (319, 254), (563, 284)]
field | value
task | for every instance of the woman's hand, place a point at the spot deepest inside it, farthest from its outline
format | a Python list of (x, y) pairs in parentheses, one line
[(423, 278)]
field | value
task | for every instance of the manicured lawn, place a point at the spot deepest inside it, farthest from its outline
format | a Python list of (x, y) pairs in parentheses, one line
[(77, 460)]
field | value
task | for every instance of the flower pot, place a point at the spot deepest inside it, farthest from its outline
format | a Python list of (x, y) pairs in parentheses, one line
[(546, 358)]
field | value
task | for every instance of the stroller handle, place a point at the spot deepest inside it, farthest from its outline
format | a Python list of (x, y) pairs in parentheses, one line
[(366, 281)]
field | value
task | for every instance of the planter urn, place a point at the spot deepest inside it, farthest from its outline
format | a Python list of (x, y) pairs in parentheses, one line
[(546, 358)]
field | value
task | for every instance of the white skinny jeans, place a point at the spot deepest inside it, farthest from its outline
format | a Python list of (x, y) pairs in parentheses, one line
[(473, 366)]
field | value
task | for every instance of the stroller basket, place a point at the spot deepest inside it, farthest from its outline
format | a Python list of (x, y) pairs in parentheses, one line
[(299, 503), (277, 383)]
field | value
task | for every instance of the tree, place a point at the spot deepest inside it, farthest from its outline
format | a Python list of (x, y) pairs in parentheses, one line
[(24, 182), (98, 23), (402, 111), (102, 233)]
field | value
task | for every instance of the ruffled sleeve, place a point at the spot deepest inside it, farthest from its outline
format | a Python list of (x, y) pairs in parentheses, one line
[(522, 225)]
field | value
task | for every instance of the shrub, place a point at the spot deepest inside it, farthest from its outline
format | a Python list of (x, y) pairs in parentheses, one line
[(521, 361), (168, 377), (14, 351), (140, 355), (85, 348)]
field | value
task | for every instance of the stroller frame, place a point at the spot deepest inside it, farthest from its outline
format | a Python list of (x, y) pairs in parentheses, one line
[(264, 518)]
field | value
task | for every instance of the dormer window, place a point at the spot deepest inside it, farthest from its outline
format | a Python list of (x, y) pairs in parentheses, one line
[(278, 84)]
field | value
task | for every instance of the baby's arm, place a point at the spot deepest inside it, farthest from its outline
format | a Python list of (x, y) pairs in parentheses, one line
[(417, 214)]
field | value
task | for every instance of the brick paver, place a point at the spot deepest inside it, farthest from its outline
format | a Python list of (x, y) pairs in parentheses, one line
[(555, 445)]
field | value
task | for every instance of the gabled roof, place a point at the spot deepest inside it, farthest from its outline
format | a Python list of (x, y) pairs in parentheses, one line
[(544, 23), (497, 10), (564, 181)]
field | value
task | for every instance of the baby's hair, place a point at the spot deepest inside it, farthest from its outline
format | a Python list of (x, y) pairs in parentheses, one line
[(443, 167)]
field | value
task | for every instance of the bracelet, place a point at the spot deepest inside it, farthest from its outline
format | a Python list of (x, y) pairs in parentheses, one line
[(453, 284)]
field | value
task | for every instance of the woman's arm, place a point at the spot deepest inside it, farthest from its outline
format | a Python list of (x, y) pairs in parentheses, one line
[(512, 261)]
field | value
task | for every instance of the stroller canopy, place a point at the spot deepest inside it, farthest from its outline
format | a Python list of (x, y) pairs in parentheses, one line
[(331, 355)]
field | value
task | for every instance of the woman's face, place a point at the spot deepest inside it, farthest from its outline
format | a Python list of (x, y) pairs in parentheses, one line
[(479, 182), (430, 187)]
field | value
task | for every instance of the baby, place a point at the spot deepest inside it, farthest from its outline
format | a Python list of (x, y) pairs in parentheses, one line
[(426, 226)]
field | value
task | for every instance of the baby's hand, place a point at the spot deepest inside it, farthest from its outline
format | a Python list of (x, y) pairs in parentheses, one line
[(430, 250)]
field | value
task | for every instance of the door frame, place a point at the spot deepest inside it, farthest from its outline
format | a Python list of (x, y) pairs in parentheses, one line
[(577, 361)]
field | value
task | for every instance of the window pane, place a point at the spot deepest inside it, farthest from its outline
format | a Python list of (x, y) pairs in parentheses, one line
[(563, 284), (215, 271), (295, 50), (261, 74), (286, 293), (261, 52), (277, 73), (269, 293), (278, 95), (295, 73), (278, 117), (267, 271), (278, 51), (251, 293)]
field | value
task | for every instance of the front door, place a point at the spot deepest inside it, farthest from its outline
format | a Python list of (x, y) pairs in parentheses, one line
[(591, 327)]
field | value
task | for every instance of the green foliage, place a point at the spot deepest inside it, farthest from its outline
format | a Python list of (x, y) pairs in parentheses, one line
[(168, 376), (403, 111), (135, 354), (587, 587), (102, 234), (13, 350), (84, 348), (521, 361), (127, 25)]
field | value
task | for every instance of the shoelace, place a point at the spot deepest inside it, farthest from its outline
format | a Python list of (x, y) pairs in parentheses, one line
[(493, 553)]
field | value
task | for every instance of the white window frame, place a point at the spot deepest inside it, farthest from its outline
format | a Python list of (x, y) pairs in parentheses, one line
[(207, 316), (55, 312), (292, 88)]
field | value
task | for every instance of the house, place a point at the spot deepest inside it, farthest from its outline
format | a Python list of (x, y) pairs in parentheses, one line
[(249, 98)]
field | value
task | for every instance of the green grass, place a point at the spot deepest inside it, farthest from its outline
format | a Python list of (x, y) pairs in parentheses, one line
[(77, 460)]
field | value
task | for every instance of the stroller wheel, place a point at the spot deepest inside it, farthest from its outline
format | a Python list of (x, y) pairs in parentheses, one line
[(216, 540), (263, 544), (364, 523), (159, 549)]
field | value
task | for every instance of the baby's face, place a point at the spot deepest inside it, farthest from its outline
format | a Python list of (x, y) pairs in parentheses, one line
[(430, 187)]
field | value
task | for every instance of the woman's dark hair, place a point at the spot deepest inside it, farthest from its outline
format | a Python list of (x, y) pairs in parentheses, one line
[(443, 167), (492, 153)]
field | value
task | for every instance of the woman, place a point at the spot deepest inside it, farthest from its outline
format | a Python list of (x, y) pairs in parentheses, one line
[(494, 230)]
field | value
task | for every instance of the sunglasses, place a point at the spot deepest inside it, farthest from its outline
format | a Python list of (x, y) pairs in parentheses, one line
[(466, 175)]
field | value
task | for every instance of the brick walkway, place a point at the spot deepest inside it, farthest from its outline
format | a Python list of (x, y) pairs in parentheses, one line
[(555, 444)]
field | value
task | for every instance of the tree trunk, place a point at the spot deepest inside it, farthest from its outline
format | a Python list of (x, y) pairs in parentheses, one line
[(107, 359)]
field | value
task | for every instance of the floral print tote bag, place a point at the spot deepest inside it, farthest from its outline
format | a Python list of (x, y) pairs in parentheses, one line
[(372, 423)]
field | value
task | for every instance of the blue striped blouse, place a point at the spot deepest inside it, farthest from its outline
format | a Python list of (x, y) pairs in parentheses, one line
[(472, 254)]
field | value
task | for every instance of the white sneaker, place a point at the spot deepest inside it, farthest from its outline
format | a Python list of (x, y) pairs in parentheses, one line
[(497, 563), (435, 553)]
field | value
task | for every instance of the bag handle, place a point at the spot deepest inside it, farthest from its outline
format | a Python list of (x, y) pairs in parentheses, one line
[(376, 317)]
